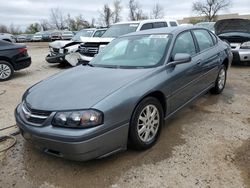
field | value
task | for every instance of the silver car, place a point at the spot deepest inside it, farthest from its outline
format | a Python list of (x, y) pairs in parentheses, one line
[(124, 94), (237, 33)]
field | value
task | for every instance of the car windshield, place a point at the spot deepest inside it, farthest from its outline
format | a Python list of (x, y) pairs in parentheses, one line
[(120, 29), (82, 33), (140, 51)]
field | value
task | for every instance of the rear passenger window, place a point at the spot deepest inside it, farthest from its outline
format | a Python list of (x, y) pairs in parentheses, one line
[(173, 24), (184, 44), (160, 24), (204, 39), (147, 26)]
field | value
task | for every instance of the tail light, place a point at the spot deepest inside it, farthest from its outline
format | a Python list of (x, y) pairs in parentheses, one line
[(22, 50)]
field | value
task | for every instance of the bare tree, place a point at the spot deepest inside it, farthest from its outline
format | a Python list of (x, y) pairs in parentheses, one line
[(14, 29), (3, 29), (210, 8), (157, 11), (77, 23), (56, 18), (117, 11), (106, 15), (92, 22), (44, 25), (135, 11)]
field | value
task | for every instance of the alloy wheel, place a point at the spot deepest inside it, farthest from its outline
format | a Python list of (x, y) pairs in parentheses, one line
[(221, 78), (5, 71), (148, 123)]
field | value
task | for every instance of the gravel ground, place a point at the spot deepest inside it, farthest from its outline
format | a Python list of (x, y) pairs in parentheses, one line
[(205, 145)]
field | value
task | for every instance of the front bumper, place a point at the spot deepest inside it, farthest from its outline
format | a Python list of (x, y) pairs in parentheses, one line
[(81, 148), (22, 63), (58, 58), (241, 56)]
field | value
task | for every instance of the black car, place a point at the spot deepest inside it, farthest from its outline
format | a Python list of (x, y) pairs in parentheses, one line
[(13, 57)]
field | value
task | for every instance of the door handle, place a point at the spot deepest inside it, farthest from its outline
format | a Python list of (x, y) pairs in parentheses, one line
[(198, 62)]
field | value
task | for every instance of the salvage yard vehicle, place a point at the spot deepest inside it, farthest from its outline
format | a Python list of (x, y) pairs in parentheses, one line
[(58, 49), (67, 35), (13, 57), (237, 33), (56, 35), (124, 94), (21, 38), (90, 47), (7, 37), (37, 37)]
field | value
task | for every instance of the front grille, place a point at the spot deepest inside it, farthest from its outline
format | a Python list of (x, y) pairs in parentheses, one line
[(89, 50), (34, 116)]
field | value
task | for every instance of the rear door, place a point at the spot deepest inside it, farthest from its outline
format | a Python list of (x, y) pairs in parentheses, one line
[(208, 56)]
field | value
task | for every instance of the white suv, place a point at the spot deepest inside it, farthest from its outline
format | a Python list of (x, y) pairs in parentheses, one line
[(91, 46)]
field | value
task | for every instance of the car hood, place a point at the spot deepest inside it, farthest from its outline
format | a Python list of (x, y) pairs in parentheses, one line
[(232, 25), (79, 88), (59, 43), (96, 39)]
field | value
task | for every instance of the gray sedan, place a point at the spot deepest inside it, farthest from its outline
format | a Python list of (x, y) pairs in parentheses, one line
[(124, 94)]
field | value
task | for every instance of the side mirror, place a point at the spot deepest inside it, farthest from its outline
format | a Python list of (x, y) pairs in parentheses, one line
[(181, 58)]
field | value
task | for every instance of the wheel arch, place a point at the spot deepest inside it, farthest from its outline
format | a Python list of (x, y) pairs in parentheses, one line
[(159, 96)]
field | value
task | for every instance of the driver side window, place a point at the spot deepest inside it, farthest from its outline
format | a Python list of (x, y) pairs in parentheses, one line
[(184, 44)]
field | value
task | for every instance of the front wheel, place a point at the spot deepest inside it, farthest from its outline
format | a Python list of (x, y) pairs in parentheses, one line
[(220, 81), (146, 123), (6, 71)]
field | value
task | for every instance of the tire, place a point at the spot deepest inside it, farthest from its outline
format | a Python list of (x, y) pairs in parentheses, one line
[(6, 71), (148, 137), (220, 81)]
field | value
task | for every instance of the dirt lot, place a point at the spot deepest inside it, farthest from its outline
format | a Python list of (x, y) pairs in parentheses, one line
[(206, 145)]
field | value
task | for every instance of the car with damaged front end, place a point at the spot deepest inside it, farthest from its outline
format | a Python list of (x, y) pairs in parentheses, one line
[(58, 49), (124, 94)]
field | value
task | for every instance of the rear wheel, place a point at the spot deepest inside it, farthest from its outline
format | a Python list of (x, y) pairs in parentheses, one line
[(146, 123), (6, 70), (220, 81)]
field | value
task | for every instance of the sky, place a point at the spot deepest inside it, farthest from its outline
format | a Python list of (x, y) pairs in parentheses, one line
[(25, 12)]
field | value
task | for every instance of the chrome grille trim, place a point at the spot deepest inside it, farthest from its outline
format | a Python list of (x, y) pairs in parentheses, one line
[(28, 113)]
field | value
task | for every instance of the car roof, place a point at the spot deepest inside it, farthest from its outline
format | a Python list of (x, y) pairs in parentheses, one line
[(146, 21), (169, 30)]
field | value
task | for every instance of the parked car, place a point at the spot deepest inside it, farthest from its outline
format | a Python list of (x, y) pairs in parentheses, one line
[(207, 25), (13, 57), (37, 37), (21, 38), (124, 94), (56, 35), (46, 36), (67, 35), (91, 46), (29, 37), (58, 49), (237, 33), (7, 37)]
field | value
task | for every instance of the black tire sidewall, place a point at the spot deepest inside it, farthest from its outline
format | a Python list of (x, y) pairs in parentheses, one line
[(134, 140), (11, 68)]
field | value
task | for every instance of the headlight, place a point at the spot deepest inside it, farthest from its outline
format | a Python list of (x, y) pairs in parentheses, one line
[(245, 45), (78, 119), (101, 47)]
